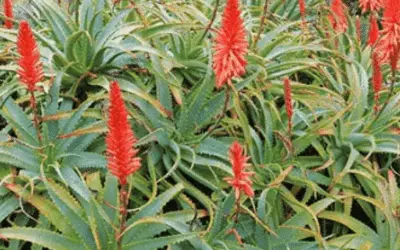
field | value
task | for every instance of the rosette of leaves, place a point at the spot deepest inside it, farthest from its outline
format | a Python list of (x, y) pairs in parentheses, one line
[(90, 41), (337, 147), (59, 152), (61, 219)]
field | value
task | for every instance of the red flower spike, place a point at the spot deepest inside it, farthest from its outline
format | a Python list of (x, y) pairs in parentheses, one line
[(358, 28), (30, 69), (302, 8), (288, 101), (8, 12), (120, 140), (390, 35), (394, 58), (373, 30), (240, 181), (230, 46), (391, 13), (371, 5), (377, 79), (338, 17)]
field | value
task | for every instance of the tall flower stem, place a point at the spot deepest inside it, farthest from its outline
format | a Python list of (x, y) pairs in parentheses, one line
[(8, 13), (214, 15), (30, 69), (287, 89), (237, 212), (35, 116), (124, 200), (262, 23), (122, 159), (377, 79)]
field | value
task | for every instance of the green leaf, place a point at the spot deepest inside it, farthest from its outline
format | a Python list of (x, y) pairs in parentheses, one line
[(56, 18), (75, 182), (110, 29), (85, 14), (20, 123), (160, 242), (79, 48), (111, 197), (70, 126), (8, 206), (70, 208), (84, 160), (154, 206), (45, 207), (41, 237)]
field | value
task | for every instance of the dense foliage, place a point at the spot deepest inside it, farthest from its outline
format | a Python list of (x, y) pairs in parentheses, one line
[(199, 124)]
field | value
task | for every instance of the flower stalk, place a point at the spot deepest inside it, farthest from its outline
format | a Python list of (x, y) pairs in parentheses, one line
[(287, 89), (358, 29), (262, 23), (373, 30), (377, 79), (302, 9), (212, 20), (30, 68), (122, 159), (123, 212), (8, 13)]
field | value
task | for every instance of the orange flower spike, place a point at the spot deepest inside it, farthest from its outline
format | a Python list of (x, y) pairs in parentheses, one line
[(377, 79), (302, 8), (288, 101), (338, 17), (391, 12), (240, 181), (230, 46), (120, 140), (30, 68), (8, 12), (394, 58), (358, 28), (390, 35), (373, 30), (371, 5)]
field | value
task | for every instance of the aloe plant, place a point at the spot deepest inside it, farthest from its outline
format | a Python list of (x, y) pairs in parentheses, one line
[(320, 128)]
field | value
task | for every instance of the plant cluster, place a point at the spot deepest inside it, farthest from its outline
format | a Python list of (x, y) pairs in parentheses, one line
[(134, 124)]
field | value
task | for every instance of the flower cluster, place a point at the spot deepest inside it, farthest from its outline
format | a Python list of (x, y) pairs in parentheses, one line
[(230, 45), (30, 68), (389, 43), (371, 5), (302, 8), (377, 79), (373, 30), (338, 17), (358, 28), (240, 181), (120, 140), (288, 101), (8, 13)]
